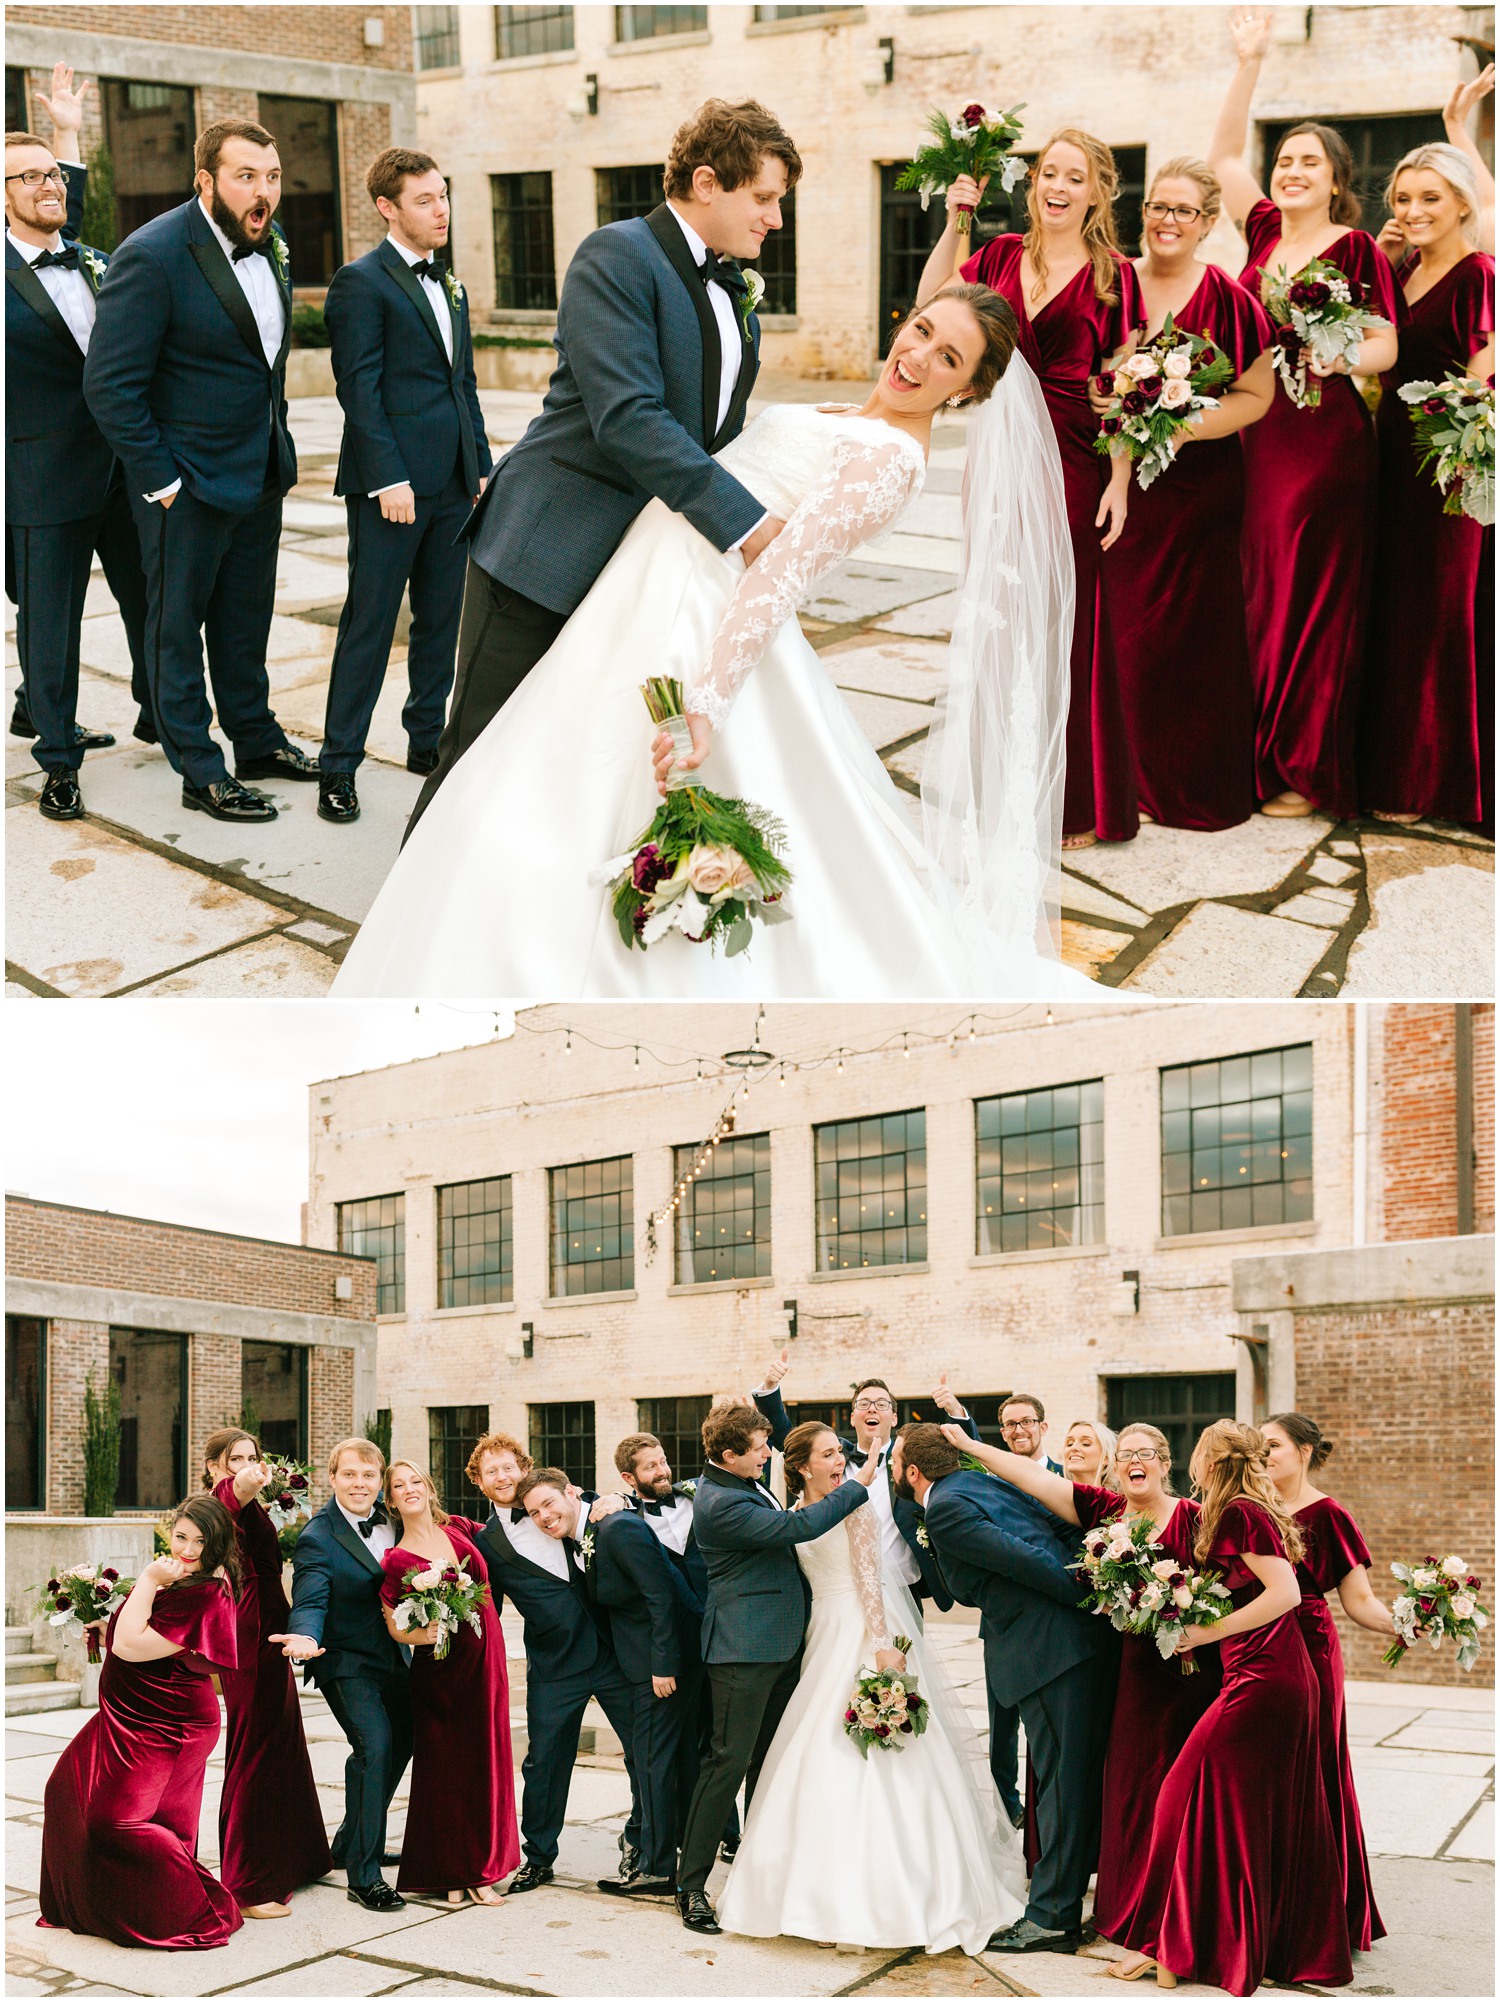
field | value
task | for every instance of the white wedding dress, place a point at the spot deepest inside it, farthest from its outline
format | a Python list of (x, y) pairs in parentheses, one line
[(899, 1849), (498, 891)]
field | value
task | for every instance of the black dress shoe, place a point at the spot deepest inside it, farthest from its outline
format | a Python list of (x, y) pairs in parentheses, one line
[(729, 1849), (696, 1913), (423, 763), (287, 763), (21, 724), (529, 1877), (377, 1897), (391, 1856), (1026, 1936), (639, 1887), (145, 729), (337, 799), (227, 799), (61, 799), (92, 740), (630, 1861)]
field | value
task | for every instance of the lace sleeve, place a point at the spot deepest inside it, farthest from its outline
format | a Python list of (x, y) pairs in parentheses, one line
[(867, 485), (864, 1556)]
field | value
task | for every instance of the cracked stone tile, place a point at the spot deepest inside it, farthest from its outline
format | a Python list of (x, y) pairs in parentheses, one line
[(914, 670), (336, 1974), (1322, 893), (1220, 950), (926, 552), (1310, 910), (1163, 866), (1431, 934), (1343, 847), (1328, 868), (1087, 948), (1074, 894), (1476, 1838), (304, 580), (862, 589), (885, 720), (929, 618), (316, 933), (279, 967)]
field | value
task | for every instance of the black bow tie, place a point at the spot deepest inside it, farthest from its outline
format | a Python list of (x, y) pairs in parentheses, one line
[(518, 1515), (377, 1515), (243, 250), (651, 1507), (58, 260), (425, 268), (716, 270)]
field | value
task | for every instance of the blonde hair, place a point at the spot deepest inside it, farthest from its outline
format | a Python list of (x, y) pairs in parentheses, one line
[(362, 1449), (1186, 167), (1099, 238), (1105, 1440), (1455, 168), (439, 1513), (1229, 1464), (1163, 1449)]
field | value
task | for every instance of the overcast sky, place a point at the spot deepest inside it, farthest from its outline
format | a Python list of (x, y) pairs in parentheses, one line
[(194, 1113)]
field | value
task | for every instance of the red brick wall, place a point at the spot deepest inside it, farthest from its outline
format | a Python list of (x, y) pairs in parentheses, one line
[(1483, 1017), (92, 1248), (1404, 1393), (364, 131), (215, 1393), (1419, 1130), (321, 34), (74, 1348), (330, 1396)]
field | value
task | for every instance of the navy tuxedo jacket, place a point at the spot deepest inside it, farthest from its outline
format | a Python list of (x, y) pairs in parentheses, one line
[(908, 1516), (564, 1632), (757, 1595), (177, 377), (336, 1580), (409, 413), (653, 1612), (1004, 1553), (630, 413)]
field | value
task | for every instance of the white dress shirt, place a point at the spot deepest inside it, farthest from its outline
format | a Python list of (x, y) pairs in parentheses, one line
[(69, 291), (731, 334), (381, 1538), (530, 1542), (896, 1557), (674, 1525)]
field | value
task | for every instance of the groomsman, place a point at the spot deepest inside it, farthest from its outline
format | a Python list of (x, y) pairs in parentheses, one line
[(187, 379), (1023, 1426), (413, 462), (337, 1629), (568, 1653), (63, 493)]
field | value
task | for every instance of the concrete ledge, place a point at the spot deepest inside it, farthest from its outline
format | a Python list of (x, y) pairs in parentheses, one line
[(1422, 1271), (54, 1300), (38, 1546)]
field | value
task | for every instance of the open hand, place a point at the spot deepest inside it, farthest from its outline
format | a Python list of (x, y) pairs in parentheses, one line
[(664, 753), (296, 1647), (607, 1505), (65, 106), (956, 1436), (1250, 31), (1463, 97), (866, 1474), (1112, 512)]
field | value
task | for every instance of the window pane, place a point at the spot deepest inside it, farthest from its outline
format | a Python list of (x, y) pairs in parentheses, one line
[(475, 1243), (435, 37), (149, 130), (532, 31), (273, 1396), (640, 24), (677, 1422), (723, 1227), (1243, 1154), (1036, 1172), (878, 1213), (376, 1228), (521, 225), (453, 1431), (1180, 1406), (562, 1435), (25, 1414), (306, 133), (150, 1368), (593, 1234), (623, 193)]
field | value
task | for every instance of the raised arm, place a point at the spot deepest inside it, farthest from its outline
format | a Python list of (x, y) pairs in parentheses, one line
[(772, 1407), (742, 1523), (951, 251), (135, 1638), (1250, 30), (1050, 1489), (1456, 124)]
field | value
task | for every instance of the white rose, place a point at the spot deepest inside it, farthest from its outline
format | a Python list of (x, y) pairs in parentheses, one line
[(426, 1581), (1453, 1567), (709, 869), (1151, 1598), (1183, 1596), (1140, 367), (1163, 1568), (1179, 363), (1425, 1581), (1174, 394), (1463, 1606)]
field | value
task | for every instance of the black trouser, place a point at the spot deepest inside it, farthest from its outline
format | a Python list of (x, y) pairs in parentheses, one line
[(1005, 1755), (554, 1714), (374, 1713), (749, 1698), (210, 576), (659, 1726), (385, 557), (501, 638), (1067, 1732)]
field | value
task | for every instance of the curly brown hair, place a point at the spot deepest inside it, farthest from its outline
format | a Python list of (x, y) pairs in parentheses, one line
[(733, 139), (1229, 1464)]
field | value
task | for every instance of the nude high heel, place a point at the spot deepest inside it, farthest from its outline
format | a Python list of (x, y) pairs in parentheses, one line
[(1164, 1979)]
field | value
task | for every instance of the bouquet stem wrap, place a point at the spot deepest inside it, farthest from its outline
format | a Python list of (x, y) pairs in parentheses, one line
[(677, 729)]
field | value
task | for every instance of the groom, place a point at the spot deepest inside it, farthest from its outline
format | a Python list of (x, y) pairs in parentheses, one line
[(1004, 1553), (657, 352)]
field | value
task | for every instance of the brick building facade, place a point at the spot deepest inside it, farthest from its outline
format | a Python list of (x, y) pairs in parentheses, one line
[(334, 84), (198, 1328)]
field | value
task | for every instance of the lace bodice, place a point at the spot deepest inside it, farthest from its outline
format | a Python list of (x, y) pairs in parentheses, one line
[(847, 1559), (836, 480)]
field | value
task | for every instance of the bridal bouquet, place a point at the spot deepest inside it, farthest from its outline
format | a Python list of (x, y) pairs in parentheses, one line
[(1438, 1604), (976, 143), (706, 866), (443, 1596), (1455, 425), (884, 1708), (1154, 392), (1140, 1592), (1322, 311), (75, 1600), (287, 1496)]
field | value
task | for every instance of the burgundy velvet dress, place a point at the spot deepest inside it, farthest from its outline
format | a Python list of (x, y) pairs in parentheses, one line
[(1424, 741), (1068, 341), (461, 1820), (1334, 1548), (120, 1826), (1176, 603), (1156, 1710), (1242, 1879), (1308, 551), (271, 1836)]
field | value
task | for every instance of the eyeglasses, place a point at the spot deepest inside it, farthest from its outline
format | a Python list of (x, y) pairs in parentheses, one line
[(1145, 1454), (35, 178), (1019, 1425), (1160, 211), (874, 1404)]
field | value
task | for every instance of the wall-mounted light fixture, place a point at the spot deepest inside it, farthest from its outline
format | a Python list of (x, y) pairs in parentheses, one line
[(584, 103), (1125, 1298), (789, 1315), (883, 70)]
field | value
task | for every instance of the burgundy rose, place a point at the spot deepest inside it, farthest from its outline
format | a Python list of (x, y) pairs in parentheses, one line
[(1288, 338), (1309, 292), (110, 1573), (53, 1586), (1110, 426), (1151, 389), (972, 115), (649, 867), (1472, 1583), (297, 1481), (1134, 403), (1425, 1607), (848, 1716), (882, 1730), (1104, 385), (1433, 406), (638, 919)]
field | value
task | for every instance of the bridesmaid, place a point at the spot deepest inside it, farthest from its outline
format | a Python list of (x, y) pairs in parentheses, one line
[(1088, 1453), (1175, 578), (1078, 303), (1308, 547), (1424, 751), (271, 1835), (1241, 1880), (120, 1827), (1334, 1555), (461, 1823), (1156, 1705)]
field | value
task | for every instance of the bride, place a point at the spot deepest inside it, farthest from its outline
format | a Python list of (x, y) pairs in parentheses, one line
[(499, 891), (923, 1855)]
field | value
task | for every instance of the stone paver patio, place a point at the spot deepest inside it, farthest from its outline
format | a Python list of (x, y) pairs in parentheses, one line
[(1424, 1761), (143, 898)]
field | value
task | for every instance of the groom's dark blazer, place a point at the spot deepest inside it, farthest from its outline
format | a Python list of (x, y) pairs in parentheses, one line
[(631, 412), (757, 1595)]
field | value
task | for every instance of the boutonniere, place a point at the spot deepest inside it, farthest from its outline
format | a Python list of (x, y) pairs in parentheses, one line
[(586, 1549), (755, 291), (454, 289), (282, 256), (93, 264), (922, 1537), (688, 1488)]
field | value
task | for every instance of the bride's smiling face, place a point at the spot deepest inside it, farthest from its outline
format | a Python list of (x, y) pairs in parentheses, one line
[(933, 357), (825, 1466)]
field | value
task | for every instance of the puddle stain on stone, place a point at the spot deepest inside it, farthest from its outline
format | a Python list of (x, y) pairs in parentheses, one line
[(90, 975), (71, 867)]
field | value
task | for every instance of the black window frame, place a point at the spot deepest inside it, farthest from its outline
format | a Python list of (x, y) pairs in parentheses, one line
[(675, 1420), (1005, 1193), (727, 1168), (435, 45), (453, 1431), (651, 24), (830, 1192), (533, 31), (621, 194), (315, 254), (34, 1463), (1230, 1148), (777, 262), (498, 1281), (564, 1218), (564, 1433), (1179, 1403), (390, 1293), (128, 1486), (17, 117), (297, 1353), (523, 204)]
